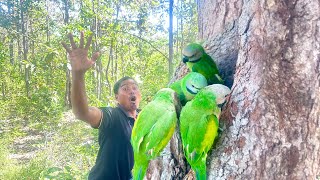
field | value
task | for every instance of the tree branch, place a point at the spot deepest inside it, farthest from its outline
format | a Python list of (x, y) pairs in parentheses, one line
[(146, 42)]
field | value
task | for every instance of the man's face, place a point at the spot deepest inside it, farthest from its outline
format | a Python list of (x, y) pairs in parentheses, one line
[(129, 95)]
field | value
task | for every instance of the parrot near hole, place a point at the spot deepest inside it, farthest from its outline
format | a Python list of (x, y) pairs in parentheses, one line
[(153, 129), (199, 61), (187, 87), (199, 123)]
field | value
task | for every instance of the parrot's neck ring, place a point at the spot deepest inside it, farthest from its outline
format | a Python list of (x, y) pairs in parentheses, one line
[(189, 90), (195, 61)]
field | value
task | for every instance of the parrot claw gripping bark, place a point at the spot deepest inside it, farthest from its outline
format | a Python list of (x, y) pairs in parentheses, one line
[(153, 129), (199, 123), (199, 61)]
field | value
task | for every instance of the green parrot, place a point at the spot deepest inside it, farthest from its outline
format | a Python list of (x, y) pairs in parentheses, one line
[(199, 123), (199, 61), (189, 86), (153, 129)]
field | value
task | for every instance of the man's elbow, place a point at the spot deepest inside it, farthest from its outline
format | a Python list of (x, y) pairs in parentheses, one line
[(87, 117), (79, 115)]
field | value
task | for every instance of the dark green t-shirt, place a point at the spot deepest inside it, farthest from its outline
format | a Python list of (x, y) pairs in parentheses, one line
[(115, 156)]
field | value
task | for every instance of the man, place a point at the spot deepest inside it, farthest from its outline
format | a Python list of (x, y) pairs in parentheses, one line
[(115, 156)]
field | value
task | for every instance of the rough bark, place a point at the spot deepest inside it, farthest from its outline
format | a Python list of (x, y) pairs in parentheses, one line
[(269, 53), (272, 119)]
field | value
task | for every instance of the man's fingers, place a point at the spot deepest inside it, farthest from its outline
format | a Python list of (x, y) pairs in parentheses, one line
[(66, 47), (73, 45), (81, 39), (95, 56), (88, 42)]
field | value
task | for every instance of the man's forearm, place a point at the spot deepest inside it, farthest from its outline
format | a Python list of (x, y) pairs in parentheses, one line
[(78, 96)]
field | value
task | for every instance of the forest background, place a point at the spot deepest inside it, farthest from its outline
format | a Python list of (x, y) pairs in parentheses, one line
[(39, 136)]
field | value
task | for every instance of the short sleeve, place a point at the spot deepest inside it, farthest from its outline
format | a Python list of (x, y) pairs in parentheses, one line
[(105, 118)]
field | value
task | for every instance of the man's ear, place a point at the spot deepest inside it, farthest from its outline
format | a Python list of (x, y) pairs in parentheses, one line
[(116, 96)]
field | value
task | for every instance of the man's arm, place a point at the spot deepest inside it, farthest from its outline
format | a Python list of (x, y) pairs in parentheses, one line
[(80, 108), (80, 63)]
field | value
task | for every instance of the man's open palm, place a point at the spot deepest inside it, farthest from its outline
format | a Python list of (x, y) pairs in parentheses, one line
[(80, 62)]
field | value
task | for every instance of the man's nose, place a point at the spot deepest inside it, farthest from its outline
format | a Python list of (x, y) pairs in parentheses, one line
[(132, 91)]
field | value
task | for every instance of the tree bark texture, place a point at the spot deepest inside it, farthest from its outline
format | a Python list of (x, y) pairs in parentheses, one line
[(272, 119), (268, 53)]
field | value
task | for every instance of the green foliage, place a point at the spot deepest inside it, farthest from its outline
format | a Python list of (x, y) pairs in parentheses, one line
[(68, 153)]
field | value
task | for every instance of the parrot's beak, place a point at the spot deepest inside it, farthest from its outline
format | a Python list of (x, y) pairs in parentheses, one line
[(221, 105), (185, 59)]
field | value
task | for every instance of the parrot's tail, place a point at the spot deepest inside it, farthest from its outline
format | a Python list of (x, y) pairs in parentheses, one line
[(200, 172), (139, 170)]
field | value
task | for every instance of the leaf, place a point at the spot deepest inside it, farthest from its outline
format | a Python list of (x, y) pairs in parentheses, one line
[(53, 170)]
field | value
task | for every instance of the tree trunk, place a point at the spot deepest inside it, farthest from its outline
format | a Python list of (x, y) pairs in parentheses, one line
[(48, 22), (24, 30), (11, 15), (67, 96), (170, 39), (268, 52)]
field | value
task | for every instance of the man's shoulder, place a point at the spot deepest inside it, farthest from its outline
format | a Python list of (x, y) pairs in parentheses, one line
[(110, 110), (107, 108)]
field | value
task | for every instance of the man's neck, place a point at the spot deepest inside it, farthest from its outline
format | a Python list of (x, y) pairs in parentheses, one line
[(132, 114)]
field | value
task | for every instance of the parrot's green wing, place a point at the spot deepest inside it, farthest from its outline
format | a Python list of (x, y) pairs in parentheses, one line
[(199, 128), (207, 67), (146, 119), (153, 127), (200, 137), (165, 129)]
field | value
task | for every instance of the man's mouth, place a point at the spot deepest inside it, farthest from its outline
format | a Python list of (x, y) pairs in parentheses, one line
[(133, 99)]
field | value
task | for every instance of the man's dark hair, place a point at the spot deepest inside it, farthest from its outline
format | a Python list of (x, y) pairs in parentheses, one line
[(118, 83)]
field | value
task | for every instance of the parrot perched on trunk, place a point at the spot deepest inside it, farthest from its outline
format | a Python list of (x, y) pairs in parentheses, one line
[(189, 86), (199, 123), (199, 61), (153, 129)]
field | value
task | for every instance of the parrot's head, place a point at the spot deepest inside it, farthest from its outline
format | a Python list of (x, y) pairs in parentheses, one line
[(192, 53), (193, 82), (219, 91), (169, 95)]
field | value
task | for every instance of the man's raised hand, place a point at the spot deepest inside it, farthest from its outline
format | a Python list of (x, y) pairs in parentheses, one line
[(78, 56)]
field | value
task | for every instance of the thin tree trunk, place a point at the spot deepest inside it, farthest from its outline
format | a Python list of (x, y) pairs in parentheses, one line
[(170, 39), (99, 63), (178, 16), (25, 48), (108, 66), (3, 89), (67, 97), (181, 29), (47, 21), (94, 29), (11, 14), (116, 64)]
